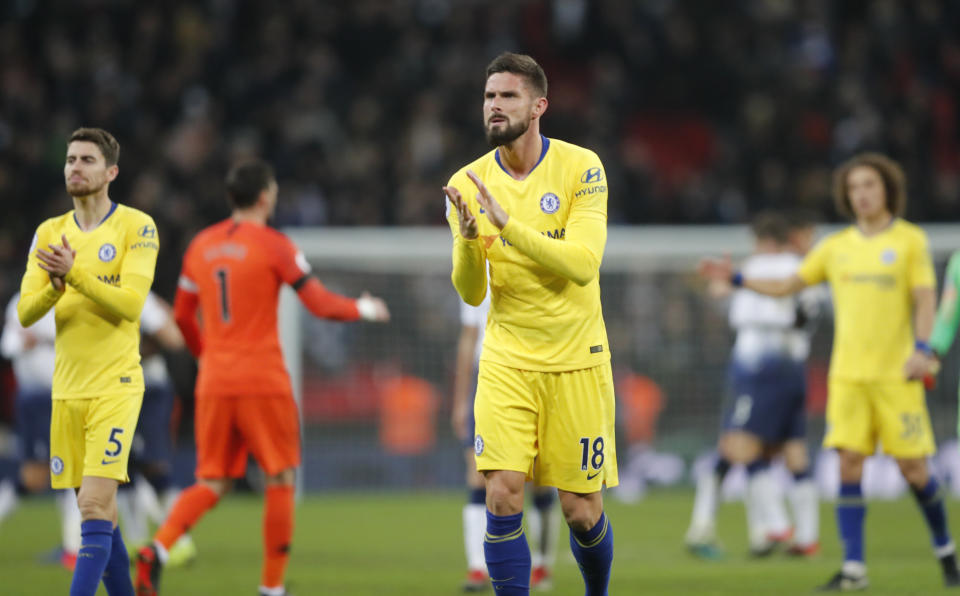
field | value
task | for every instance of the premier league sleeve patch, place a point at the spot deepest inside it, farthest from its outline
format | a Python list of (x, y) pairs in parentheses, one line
[(549, 203), (107, 252)]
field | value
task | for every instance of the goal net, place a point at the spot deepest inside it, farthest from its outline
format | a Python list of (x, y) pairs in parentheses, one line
[(375, 399)]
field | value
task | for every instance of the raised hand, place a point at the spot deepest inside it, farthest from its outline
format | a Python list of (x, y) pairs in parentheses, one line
[(59, 260), (468, 223), (372, 308), (495, 212), (715, 269)]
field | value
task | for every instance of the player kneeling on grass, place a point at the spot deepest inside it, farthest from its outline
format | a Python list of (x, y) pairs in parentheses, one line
[(881, 273), (232, 272)]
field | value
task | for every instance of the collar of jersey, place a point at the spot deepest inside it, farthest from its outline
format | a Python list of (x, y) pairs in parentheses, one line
[(113, 207), (545, 144), (887, 228)]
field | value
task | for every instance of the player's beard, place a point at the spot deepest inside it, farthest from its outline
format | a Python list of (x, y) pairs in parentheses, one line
[(506, 134), (86, 188)]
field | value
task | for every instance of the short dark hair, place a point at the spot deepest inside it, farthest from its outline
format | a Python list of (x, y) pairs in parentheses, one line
[(771, 225), (246, 180), (108, 145), (521, 65), (894, 182)]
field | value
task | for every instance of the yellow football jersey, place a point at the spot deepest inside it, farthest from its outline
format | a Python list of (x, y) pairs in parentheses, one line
[(98, 328), (545, 310), (872, 279)]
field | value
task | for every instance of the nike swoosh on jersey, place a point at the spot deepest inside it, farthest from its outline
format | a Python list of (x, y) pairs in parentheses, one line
[(104, 462), (592, 476)]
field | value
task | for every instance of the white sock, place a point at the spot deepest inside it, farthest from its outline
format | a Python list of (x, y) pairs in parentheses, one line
[(778, 523), (542, 535), (703, 521), (147, 502), (162, 553), (70, 520), (8, 498), (755, 505), (854, 568), (474, 527), (134, 519), (806, 512), (278, 591)]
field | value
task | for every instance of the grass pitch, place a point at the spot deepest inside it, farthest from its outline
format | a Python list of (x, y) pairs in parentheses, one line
[(411, 544)]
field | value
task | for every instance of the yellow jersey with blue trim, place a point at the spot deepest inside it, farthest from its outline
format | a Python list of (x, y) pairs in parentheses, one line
[(97, 315), (872, 279), (545, 312)]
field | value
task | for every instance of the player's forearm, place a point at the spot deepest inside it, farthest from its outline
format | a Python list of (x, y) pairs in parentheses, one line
[(945, 325), (774, 287), (325, 304), (924, 313), (571, 259), (36, 301), (469, 274), (125, 301), (185, 316)]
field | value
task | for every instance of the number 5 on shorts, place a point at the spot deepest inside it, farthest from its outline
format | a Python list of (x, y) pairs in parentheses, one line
[(113, 440)]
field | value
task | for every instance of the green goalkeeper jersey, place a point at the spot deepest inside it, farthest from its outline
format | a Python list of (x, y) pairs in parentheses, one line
[(948, 315)]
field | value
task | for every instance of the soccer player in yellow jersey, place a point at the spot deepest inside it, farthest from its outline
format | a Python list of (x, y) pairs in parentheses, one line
[(94, 266), (881, 275), (544, 405)]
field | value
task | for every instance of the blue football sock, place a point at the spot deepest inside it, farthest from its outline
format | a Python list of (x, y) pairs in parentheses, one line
[(116, 577), (930, 499), (97, 538), (593, 551), (850, 513), (757, 465), (721, 467), (507, 554)]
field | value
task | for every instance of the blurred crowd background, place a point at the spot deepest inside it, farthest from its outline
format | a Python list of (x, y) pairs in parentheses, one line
[(703, 113)]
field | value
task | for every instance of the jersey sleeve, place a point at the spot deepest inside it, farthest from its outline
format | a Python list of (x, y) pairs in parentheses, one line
[(921, 274), (289, 263), (37, 294), (948, 315), (813, 268), (136, 272), (577, 257), (469, 275)]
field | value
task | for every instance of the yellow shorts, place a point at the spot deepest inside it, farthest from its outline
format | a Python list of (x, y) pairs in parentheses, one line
[(556, 427), (92, 437), (893, 412)]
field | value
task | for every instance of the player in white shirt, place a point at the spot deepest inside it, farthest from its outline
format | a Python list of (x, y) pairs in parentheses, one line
[(767, 411), (32, 354), (151, 492), (543, 521)]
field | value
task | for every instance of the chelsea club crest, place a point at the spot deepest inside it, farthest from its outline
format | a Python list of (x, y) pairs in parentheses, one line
[(478, 445), (107, 252), (56, 465), (549, 203)]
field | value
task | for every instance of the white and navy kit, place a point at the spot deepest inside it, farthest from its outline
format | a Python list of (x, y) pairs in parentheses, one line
[(152, 440), (474, 316), (33, 369), (767, 373)]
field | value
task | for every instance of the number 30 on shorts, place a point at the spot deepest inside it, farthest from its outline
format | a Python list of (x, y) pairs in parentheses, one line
[(596, 457)]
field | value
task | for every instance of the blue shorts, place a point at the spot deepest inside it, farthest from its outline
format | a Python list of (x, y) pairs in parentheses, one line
[(768, 401), (152, 441), (33, 407)]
